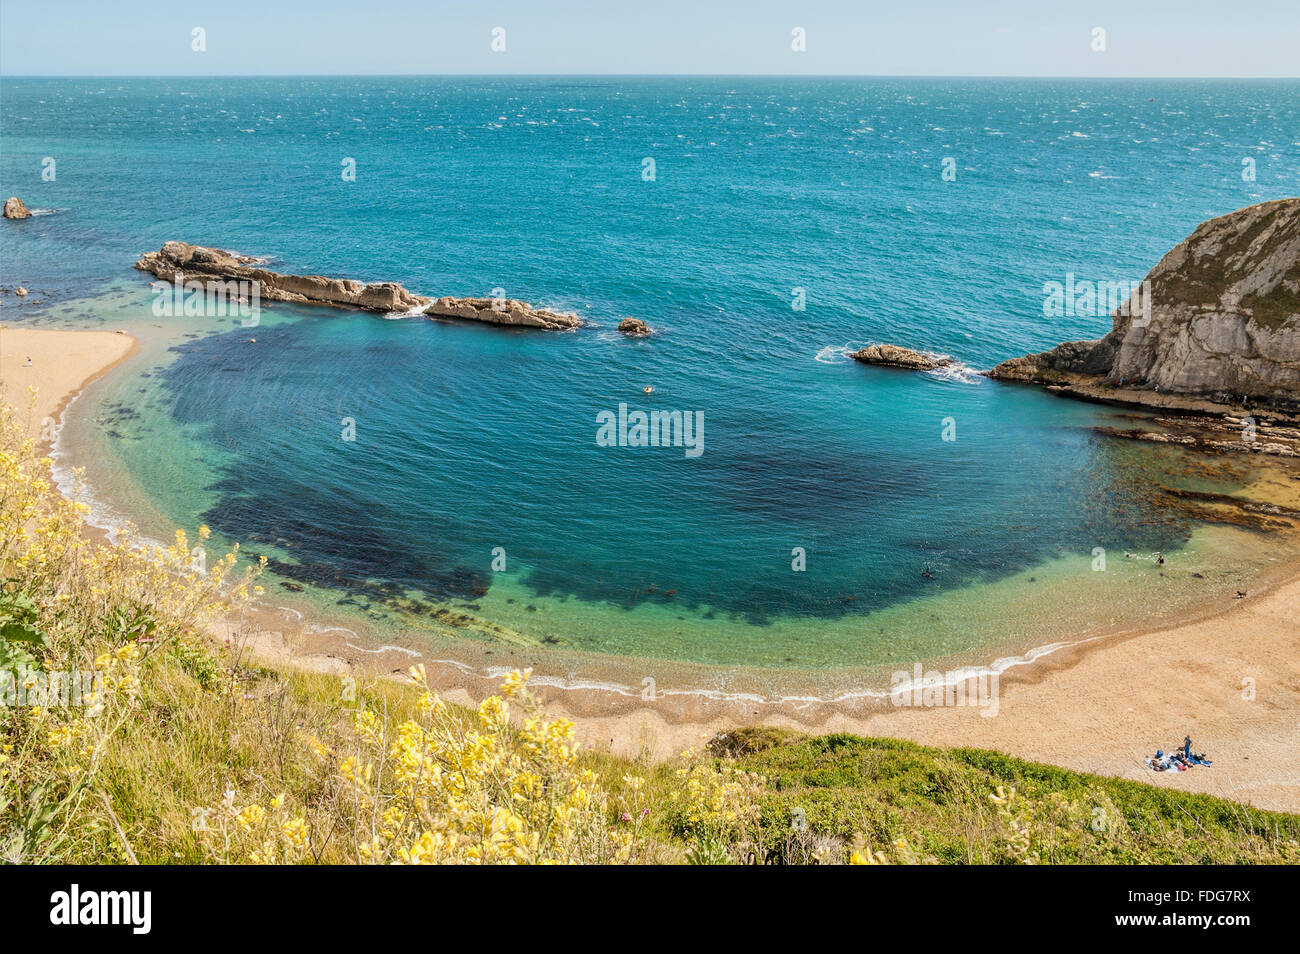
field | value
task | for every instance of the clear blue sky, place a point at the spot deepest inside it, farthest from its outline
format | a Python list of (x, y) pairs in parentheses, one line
[(1145, 38)]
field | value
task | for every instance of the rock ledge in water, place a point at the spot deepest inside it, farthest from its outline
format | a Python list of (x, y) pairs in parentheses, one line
[(892, 356), (201, 263)]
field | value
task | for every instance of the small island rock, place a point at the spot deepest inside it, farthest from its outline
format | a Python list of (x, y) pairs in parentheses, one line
[(892, 356), (14, 209)]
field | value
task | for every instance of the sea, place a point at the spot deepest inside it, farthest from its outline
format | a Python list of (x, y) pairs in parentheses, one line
[(435, 484)]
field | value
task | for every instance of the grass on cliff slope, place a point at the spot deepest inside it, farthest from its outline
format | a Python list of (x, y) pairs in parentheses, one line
[(944, 804), (181, 750)]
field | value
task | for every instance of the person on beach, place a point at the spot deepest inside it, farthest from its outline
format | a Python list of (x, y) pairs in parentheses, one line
[(29, 361), (1178, 761)]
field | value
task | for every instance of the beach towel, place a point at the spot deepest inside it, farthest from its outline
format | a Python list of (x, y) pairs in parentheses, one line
[(1177, 762)]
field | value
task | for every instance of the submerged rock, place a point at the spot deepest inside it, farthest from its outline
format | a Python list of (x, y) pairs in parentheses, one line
[(14, 209), (1220, 322), (201, 263), (634, 327), (892, 356)]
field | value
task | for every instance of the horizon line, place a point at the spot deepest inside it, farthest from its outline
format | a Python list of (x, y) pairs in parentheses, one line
[(966, 76)]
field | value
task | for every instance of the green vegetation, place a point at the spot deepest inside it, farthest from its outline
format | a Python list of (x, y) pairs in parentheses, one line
[(944, 804), (128, 735)]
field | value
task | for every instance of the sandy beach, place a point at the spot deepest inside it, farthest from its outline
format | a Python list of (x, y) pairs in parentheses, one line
[(1230, 679), (61, 364)]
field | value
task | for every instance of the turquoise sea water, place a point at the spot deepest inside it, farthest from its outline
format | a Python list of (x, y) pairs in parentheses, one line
[(472, 438)]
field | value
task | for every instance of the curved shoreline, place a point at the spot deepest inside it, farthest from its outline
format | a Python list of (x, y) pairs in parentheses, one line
[(1066, 704), (321, 641), (329, 640), (58, 374), (1095, 705)]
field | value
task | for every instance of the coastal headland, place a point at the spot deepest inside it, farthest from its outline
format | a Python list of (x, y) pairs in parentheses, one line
[(1216, 324), (1211, 337)]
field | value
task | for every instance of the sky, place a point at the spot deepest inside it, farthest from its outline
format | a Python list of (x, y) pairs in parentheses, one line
[(1142, 38)]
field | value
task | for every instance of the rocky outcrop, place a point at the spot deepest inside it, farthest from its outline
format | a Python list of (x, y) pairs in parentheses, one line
[(14, 209), (892, 356), (201, 263), (634, 327), (197, 262), (1219, 322), (1217, 432), (502, 311)]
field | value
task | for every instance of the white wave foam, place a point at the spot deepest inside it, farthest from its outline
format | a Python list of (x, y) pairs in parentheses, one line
[(416, 312), (100, 514), (377, 649), (837, 354), (961, 373), (995, 668)]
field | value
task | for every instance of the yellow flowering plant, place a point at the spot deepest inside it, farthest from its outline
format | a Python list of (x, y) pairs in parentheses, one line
[(91, 614), (443, 787), (717, 804)]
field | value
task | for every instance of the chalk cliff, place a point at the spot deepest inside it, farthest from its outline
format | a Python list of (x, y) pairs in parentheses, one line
[(1221, 321)]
